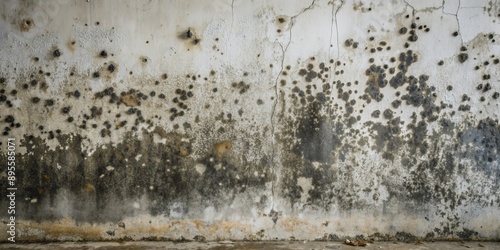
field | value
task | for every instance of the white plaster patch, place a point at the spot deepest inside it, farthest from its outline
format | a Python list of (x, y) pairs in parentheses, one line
[(306, 185), (200, 168)]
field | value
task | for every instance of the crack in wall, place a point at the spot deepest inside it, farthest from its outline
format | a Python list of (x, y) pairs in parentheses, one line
[(275, 104), (456, 17), (334, 21), (414, 10), (411, 6), (232, 14), (337, 28)]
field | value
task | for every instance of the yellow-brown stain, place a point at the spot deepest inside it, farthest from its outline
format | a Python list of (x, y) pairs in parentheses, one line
[(89, 187), (54, 230), (227, 226), (282, 23), (292, 223), (27, 24), (221, 148), (71, 45), (199, 224), (183, 152), (130, 100), (160, 132), (191, 39)]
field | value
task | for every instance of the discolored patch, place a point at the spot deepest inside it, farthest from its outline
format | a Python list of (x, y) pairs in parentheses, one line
[(222, 148), (27, 24), (130, 100)]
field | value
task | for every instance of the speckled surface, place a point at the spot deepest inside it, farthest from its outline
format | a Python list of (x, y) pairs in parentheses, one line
[(239, 120)]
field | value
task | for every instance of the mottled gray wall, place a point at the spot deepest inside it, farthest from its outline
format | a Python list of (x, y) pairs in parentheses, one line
[(252, 119)]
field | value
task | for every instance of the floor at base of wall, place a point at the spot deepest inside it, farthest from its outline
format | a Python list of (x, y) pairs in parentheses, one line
[(256, 245)]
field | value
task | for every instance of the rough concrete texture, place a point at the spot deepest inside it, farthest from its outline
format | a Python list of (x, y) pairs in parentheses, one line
[(252, 120), (260, 245)]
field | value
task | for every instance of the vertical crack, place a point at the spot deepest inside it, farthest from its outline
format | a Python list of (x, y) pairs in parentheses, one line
[(456, 17), (458, 23), (337, 27), (232, 13), (411, 6), (334, 22), (276, 101)]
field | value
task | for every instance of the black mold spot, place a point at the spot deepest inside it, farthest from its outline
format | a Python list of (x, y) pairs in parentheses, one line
[(455, 33), (111, 68), (388, 114), (49, 103), (467, 234), (56, 53), (398, 80), (496, 95), (463, 107), (403, 30), (376, 114), (483, 142), (418, 137), (413, 38), (486, 87), (376, 80), (65, 110), (9, 119), (348, 42), (462, 57), (396, 103), (96, 74), (35, 100), (103, 54)]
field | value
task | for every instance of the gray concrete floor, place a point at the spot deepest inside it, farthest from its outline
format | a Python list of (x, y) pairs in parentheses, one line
[(255, 245)]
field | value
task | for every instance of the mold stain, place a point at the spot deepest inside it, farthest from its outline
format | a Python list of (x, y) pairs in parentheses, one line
[(222, 148), (190, 38), (130, 100), (27, 24), (71, 45)]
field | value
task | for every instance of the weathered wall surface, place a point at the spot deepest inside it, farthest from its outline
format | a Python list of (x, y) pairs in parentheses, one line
[(252, 119)]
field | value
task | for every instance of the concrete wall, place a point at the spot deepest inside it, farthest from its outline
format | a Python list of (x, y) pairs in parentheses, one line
[(252, 120)]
